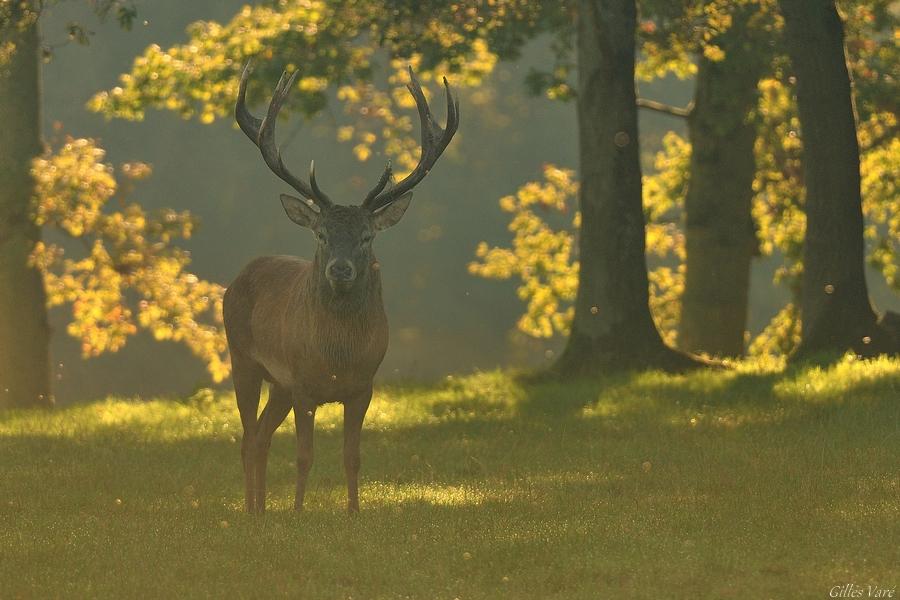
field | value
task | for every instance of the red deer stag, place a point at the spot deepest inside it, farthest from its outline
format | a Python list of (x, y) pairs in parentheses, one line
[(316, 330)]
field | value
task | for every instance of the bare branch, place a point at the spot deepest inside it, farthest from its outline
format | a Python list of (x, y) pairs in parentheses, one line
[(666, 109)]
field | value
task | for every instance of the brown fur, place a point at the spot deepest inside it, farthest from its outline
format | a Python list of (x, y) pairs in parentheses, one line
[(286, 326), (316, 331), (277, 315)]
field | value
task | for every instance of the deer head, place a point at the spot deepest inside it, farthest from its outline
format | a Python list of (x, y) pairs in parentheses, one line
[(344, 233)]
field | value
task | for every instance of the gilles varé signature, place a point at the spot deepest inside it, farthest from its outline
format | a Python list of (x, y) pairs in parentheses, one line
[(851, 590)]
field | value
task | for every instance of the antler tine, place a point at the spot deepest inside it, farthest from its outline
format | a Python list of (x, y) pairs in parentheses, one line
[(262, 133), (452, 111), (385, 177), (312, 181), (434, 140), (247, 122), (426, 120)]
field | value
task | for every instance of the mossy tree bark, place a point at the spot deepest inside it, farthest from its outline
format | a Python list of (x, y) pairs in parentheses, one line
[(612, 326), (720, 240), (835, 308), (24, 333)]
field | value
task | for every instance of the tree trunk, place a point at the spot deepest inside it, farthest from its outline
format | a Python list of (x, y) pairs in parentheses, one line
[(612, 327), (834, 303), (719, 234), (24, 334)]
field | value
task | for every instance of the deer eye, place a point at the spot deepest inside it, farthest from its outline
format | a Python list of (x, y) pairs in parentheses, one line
[(365, 239), (321, 237)]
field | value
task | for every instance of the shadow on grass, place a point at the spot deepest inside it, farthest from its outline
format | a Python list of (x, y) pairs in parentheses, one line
[(575, 490), (508, 440), (798, 393), (559, 439)]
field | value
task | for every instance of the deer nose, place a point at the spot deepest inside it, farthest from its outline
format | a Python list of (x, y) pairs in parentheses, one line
[(340, 270)]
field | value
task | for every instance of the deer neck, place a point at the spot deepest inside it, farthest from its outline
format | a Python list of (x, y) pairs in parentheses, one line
[(357, 303)]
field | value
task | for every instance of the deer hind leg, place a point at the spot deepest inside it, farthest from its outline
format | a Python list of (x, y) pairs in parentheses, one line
[(354, 413), (273, 415), (304, 418), (247, 378)]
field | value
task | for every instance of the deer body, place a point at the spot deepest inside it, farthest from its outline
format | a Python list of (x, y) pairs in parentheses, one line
[(315, 330), (277, 310)]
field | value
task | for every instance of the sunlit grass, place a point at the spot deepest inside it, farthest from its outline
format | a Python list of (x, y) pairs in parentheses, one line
[(754, 482)]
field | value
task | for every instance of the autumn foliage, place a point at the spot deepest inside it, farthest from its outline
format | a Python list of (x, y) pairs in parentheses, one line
[(116, 264)]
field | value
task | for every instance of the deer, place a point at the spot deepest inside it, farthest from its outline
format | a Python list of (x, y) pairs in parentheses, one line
[(316, 330)]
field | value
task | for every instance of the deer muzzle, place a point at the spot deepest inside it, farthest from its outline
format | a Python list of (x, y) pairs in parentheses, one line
[(340, 273)]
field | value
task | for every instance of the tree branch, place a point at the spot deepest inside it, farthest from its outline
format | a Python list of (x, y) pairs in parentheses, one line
[(667, 109)]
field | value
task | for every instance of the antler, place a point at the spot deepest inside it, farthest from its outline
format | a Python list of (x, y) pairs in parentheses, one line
[(262, 133), (385, 177), (434, 141)]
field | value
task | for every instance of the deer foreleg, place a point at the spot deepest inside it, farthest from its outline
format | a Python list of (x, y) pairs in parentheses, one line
[(304, 418), (247, 382), (273, 415), (354, 413)]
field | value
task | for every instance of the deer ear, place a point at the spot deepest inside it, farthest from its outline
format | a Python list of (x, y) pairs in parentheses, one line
[(300, 211), (393, 212)]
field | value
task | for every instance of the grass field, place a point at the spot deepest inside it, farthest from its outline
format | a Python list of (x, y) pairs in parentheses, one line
[(742, 484)]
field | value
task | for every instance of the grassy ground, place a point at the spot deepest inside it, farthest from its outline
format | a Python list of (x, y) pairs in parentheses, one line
[(746, 484)]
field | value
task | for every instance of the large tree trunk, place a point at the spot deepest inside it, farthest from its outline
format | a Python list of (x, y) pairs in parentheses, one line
[(834, 302), (612, 327), (719, 234), (24, 334)]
